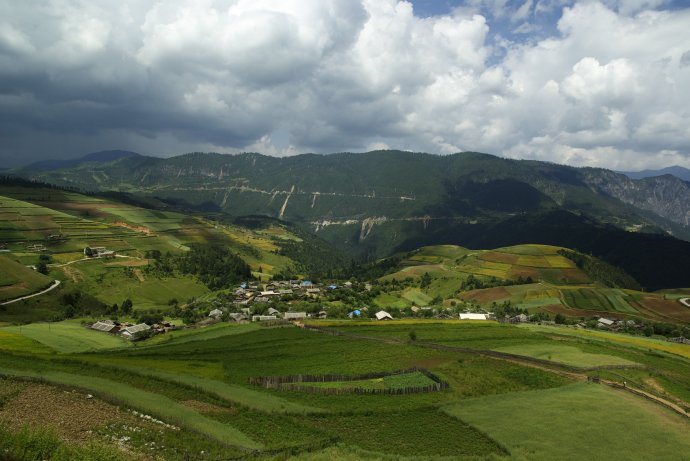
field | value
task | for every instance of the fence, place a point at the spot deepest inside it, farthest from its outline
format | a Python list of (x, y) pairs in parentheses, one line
[(301, 383)]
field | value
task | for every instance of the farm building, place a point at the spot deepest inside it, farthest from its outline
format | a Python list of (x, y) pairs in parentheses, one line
[(383, 315), (136, 331), (321, 315), (473, 316), (262, 318), (294, 315), (521, 318), (605, 322), (216, 313), (273, 311), (106, 326), (238, 317)]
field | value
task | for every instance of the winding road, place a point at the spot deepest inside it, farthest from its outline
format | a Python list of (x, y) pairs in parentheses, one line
[(55, 284)]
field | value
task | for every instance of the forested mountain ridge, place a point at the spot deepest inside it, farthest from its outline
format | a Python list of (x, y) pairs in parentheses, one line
[(376, 203), (326, 189)]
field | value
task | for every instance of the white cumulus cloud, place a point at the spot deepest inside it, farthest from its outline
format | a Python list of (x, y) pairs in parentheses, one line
[(606, 87)]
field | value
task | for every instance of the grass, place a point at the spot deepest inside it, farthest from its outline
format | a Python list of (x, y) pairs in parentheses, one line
[(420, 433), (568, 355), (250, 398), (18, 342), (114, 284), (199, 380), (18, 280), (598, 299), (578, 422), (199, 334), (68, 336), (617, 338)]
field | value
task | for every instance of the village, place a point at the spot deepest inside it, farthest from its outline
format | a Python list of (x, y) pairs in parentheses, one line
[(252, 301)]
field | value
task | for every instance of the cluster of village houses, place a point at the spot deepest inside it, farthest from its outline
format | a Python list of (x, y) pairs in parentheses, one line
[(249, 293)]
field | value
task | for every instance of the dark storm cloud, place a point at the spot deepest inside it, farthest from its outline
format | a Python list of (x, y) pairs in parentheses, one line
[(606, 88)]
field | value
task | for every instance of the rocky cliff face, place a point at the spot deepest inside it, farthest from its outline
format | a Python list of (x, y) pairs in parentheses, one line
[(666, 196)]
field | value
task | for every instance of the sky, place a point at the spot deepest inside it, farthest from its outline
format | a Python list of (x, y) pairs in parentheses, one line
[(582, 82)]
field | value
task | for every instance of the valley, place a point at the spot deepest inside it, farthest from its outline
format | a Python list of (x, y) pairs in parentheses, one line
[(288, 320)]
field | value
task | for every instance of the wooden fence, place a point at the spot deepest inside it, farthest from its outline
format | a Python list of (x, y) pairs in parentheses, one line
[(301, 383)]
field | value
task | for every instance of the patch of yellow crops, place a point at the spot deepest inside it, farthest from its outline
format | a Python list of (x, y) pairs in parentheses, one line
[(533, 261), (559, 262)]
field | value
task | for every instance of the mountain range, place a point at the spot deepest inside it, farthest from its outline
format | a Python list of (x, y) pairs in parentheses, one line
[(377, 203)]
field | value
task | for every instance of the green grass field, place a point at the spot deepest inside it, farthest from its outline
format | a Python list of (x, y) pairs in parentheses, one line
[(199, 380), (68, 336), (17, 280), (578, 422), (569, 355)]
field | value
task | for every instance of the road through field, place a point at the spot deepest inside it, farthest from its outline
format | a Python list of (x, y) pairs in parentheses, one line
[(52, 287)]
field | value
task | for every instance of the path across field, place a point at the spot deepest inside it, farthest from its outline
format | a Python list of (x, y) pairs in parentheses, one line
[(52, 287)]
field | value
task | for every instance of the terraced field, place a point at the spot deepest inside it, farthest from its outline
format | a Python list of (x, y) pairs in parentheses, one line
[(559, 286), (60, 224), (194, 390)]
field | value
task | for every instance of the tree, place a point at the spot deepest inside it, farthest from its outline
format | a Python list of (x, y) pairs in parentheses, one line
[(412, 335), (42, 268), (127, 307), (426, 280), (88, 252)]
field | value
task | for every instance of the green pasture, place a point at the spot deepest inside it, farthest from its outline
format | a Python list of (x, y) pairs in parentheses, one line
[(578, 422), (568, 355), (17, 280), (610, 339), (186, 375), (114, 284), (416, 296), (200, 334), (385, 300), (600, 299), (68, 336), (19, 343)]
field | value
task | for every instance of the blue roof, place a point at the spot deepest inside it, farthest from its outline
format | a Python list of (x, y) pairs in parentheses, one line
[(306, 282), (332, 287)]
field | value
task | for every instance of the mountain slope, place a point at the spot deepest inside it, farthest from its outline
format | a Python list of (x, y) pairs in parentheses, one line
[(385, 201)]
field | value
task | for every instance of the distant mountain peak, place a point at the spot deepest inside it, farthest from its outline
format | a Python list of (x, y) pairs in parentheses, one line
[(677, 171), (102, 156)]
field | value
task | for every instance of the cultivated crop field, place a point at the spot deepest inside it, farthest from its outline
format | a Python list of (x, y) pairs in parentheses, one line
[(194, 385)]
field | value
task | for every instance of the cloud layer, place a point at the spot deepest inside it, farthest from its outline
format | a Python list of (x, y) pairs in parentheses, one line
[(607, 86)]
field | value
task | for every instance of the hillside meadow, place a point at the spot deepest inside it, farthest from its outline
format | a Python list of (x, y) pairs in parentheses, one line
[(196, 384)]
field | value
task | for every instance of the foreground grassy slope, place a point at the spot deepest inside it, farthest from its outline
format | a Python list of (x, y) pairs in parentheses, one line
[(567, 423), (199, 381)]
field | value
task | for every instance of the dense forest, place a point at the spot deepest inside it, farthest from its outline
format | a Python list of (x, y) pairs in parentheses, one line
[(601, 271)]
